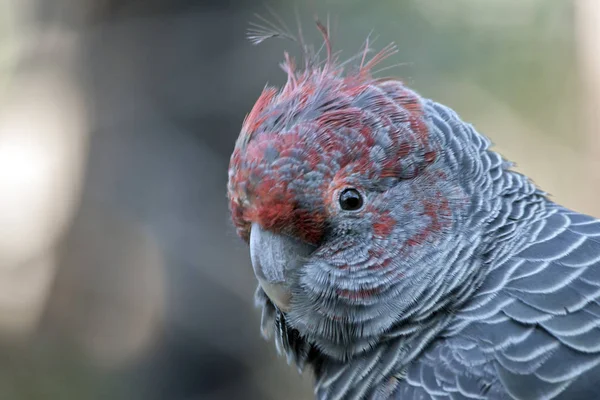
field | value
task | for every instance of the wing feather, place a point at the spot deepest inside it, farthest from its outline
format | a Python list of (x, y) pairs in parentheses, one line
[(532, 331)]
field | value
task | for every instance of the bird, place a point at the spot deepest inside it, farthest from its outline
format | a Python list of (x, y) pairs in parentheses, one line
[(397, 254)]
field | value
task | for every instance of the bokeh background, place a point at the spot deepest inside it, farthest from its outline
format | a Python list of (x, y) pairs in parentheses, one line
[(120, 274)]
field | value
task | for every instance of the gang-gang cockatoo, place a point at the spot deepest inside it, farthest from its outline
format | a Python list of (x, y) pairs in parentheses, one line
[(400, 257)]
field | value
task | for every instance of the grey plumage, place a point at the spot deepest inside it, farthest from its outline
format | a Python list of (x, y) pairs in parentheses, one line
[(524, 317), (532, 328)]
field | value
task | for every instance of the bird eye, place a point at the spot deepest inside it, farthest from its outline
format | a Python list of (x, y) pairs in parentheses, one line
[(350, 200)]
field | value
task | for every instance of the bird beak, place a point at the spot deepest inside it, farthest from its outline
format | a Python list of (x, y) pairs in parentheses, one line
[(273, 257)]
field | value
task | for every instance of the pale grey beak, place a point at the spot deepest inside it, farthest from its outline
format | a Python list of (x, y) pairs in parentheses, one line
[(273, 256)]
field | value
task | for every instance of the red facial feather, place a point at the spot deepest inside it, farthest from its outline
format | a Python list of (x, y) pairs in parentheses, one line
[(384, 224), (378, 254), (438, 210)]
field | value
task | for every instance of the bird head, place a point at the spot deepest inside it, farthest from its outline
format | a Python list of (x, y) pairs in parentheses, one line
[(352, 199)]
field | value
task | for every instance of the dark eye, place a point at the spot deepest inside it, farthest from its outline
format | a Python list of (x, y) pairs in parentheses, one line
[(350, 200)]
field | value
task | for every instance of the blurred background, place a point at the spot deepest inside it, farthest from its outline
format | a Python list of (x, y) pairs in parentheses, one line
[(120, 274)]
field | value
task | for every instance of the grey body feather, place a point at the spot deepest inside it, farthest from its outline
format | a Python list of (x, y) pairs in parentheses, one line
[(531, 331)]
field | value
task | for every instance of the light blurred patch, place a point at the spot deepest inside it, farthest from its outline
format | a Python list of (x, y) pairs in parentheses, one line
[(42, 153), (42, 150)]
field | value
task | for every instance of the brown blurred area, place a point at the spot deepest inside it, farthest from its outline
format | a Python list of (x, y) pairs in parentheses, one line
[(120, 274)]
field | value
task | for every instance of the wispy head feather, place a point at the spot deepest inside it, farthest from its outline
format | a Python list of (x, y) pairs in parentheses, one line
[(267, 29)]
